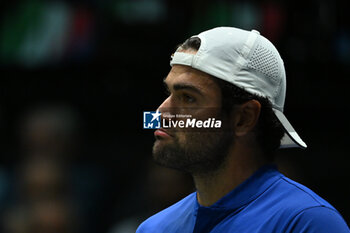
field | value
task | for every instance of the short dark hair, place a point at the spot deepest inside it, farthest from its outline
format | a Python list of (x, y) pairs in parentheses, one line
[(269, 130), (191, 43)]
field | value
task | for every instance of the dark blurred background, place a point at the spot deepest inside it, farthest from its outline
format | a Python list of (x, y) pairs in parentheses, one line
[(76, 76)]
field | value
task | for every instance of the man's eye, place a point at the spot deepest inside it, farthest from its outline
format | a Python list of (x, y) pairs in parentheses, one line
[(188, 98)]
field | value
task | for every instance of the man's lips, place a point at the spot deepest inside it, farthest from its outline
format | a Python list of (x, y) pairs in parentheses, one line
[(162, 133)]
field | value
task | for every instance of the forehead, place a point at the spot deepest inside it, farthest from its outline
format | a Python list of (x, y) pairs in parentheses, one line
[(187, 75)]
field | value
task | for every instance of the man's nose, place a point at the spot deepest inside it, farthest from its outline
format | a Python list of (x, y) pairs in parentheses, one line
[(165, 108)]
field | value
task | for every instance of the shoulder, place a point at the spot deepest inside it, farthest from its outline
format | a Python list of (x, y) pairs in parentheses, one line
[(295, 195), (171, 216), (306, 211), (318, 219)]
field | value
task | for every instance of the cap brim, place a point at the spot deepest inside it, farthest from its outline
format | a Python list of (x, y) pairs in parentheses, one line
[(291, 137)]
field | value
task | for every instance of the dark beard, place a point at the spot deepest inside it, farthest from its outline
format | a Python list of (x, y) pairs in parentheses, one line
[(203, 153)]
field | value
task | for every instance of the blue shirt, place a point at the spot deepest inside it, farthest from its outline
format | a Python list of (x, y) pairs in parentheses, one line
[(266, 202)]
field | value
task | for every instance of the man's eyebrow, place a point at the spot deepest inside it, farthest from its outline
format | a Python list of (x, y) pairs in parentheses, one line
[(186, 86), (180, 86)]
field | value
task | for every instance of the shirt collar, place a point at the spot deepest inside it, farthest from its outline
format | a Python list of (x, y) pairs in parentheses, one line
[(250, 188), (244, 193)]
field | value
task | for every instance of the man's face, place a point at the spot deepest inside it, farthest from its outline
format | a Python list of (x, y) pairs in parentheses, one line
[(192, 92)]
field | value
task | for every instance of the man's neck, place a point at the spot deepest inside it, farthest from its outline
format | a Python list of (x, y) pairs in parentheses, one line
[(239, 167)]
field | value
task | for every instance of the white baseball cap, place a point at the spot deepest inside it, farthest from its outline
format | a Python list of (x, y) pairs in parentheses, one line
[(247, 60)]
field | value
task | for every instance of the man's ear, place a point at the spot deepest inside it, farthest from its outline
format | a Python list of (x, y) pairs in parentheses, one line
[(245, 117)]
